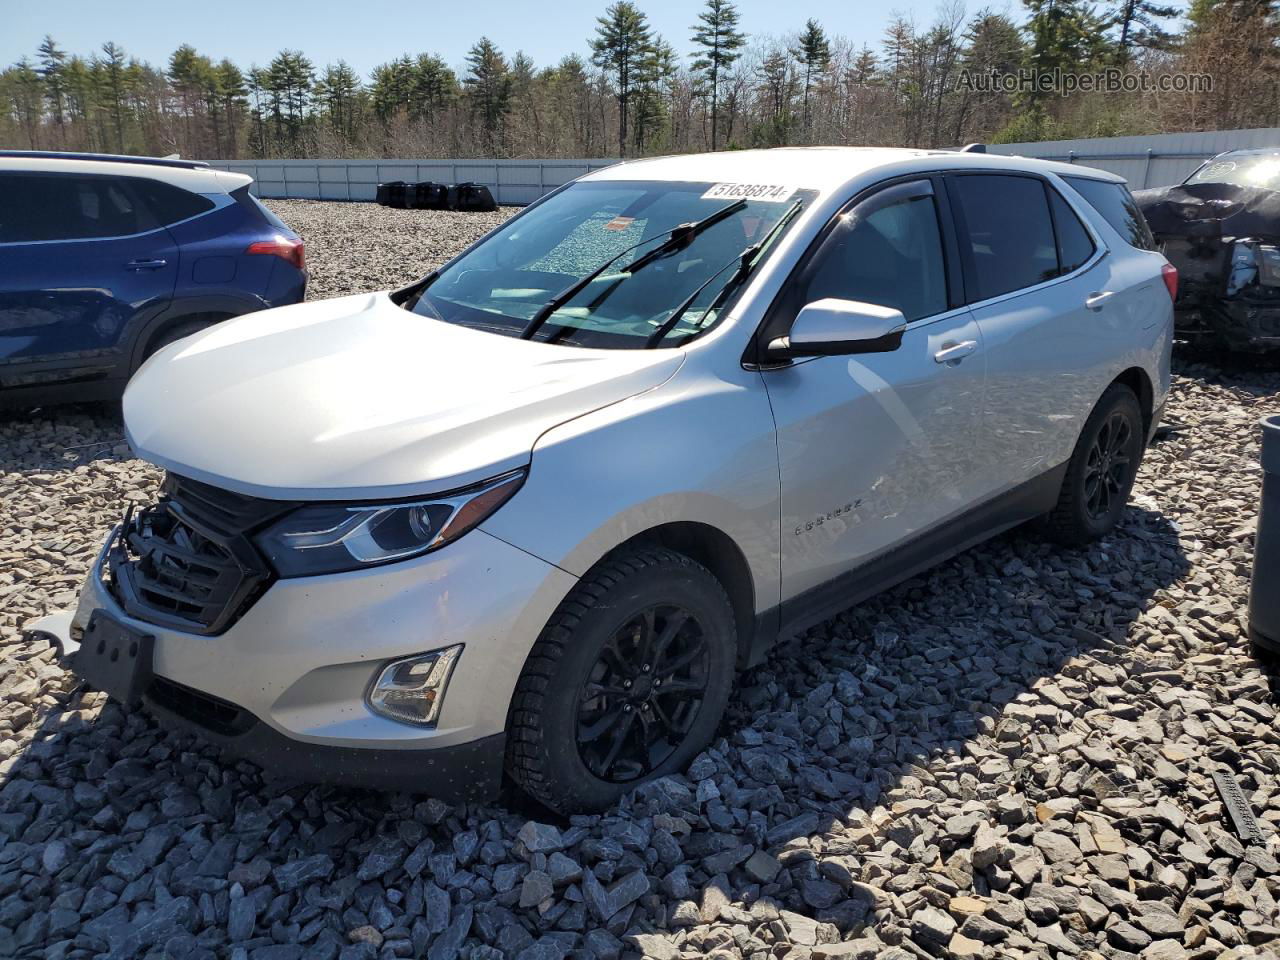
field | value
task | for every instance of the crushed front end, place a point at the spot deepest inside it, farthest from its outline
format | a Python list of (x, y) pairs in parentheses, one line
[(1225, 241)]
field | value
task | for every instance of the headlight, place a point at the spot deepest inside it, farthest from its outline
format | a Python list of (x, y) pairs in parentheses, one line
[(329, 538)]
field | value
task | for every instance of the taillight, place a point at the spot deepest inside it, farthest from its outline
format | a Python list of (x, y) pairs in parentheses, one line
[(283, 247), (1170, 274)]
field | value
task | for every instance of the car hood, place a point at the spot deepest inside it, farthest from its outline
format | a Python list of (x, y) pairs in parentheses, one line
[(357, 398)]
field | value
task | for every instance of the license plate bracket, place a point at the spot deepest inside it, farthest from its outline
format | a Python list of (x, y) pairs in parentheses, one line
[(115, 659)]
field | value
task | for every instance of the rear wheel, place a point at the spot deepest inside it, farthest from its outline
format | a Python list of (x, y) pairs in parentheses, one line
[(627, 682), (1102, 470)]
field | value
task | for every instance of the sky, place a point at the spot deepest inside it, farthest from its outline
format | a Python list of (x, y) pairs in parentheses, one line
[(369, 32)]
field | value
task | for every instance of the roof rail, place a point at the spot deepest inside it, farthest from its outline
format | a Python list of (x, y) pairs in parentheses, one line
[(105, 157), (974, 148)]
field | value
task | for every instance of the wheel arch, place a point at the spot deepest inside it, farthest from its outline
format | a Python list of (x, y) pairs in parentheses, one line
[(719, 553), (216, 307), (1137, 380)]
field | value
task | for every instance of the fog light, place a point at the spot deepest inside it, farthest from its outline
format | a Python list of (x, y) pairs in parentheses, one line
[(412, 689)]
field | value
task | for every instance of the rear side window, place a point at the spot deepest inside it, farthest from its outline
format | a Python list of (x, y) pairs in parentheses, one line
[(1116, 205), (169, 203), (1007, 231), (1075, 246), (246, 199), (62, 207), (886, 251)]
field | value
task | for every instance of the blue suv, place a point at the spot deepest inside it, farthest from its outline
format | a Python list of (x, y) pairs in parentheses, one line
[(106, 259)]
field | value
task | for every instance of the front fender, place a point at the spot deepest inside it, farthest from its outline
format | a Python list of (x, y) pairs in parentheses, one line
[(700, 448)]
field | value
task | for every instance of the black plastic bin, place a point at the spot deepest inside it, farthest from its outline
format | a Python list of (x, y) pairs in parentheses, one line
[(1264, 595), (430, 196), (475, 197)]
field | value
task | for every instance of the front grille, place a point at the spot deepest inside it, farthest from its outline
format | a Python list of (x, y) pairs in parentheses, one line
[(206, 710), (188, 561)]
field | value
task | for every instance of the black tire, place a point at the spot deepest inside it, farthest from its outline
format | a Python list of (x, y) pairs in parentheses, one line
[(1103, 467), (572, 683)]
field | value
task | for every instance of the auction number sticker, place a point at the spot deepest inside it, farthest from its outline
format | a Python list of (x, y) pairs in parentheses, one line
[(763, 192)]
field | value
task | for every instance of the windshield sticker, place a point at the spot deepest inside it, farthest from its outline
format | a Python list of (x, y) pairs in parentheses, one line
[(762, 192), (619, 223)]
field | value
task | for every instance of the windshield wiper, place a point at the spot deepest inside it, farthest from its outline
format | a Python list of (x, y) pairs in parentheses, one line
[(746, 261), (679, 237)]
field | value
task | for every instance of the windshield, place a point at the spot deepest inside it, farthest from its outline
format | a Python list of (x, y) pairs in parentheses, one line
[(503, 284), (1254, 169)]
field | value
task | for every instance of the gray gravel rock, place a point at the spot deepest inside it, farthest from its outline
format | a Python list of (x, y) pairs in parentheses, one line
[(1013, 751)]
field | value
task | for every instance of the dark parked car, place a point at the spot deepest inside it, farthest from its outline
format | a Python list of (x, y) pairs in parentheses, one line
[(1221, 229), (105, 259)]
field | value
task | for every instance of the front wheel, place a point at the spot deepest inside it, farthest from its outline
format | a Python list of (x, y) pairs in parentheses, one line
[(627, 682), (1102, 470)]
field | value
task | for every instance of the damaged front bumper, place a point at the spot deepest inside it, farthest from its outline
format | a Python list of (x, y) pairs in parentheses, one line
[(1225, 242), (1228, 291)]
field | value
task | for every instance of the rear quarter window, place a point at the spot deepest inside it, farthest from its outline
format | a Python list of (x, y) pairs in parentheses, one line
[(170, 204), (250, 202), (1116, 205)]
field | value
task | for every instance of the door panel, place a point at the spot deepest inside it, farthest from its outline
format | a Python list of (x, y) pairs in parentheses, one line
[(1054, 318), (874, 449), (72, 302), (1049, 358), (81, 259)]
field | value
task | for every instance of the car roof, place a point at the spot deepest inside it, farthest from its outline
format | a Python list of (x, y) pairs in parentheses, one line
[(824, 168), (186, 174)]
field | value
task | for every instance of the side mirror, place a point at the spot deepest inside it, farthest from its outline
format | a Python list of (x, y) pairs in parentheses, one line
[(832, 328)]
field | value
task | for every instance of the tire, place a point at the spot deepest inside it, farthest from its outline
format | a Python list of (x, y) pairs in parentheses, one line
[(573, 689), (1101, 472)]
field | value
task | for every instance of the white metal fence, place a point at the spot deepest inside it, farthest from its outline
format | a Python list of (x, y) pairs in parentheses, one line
[(512, 181), (1151, 161)]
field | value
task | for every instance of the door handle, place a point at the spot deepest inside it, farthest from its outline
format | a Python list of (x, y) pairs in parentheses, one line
[(145, 264), (1096, 301), (955, 352)]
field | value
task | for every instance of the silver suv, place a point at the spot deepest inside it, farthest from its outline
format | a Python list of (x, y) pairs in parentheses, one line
[(531, 513)]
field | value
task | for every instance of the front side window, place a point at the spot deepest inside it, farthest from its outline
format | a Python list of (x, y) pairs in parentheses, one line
[(888, 251), (67, 207), (521, 279), (1006, 228)]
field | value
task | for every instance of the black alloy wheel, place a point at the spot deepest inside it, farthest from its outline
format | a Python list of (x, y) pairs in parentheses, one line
[(1101, 471), (1107, 474), (643, 694), (626, 683)]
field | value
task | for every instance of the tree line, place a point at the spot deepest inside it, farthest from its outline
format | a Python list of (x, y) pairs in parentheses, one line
[(632, 92)]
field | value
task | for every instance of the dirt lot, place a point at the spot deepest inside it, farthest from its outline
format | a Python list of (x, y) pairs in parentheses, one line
[(1008, 757)]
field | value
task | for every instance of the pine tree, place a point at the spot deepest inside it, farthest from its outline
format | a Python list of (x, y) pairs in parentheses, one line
[(489, 87), (717, 33), (25, 93), (231, 92), (620, 46), (1141, 24), (337, 91), (433, 88), (52, 71), (813, 52), (112, 70), (1065, 35)]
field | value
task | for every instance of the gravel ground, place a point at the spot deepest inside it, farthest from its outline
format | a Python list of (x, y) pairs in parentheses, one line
[(1008, 757)]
